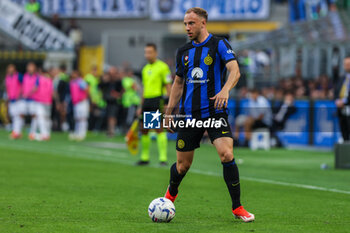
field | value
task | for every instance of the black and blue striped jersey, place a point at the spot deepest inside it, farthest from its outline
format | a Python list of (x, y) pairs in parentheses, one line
[(203, 68)]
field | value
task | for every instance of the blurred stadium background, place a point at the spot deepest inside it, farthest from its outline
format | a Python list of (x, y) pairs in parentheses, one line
[(293, 47)]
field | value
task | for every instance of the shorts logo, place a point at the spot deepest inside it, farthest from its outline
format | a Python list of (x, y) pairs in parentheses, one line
[(180, 143), (197, 73), (151, 120), (223, 121), (208, 60)]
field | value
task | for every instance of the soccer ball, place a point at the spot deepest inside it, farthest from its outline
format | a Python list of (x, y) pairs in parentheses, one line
[(161, 209)]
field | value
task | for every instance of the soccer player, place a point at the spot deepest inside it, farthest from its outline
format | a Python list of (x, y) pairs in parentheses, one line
[(44, 102), (155, 75), (30, 86), (79, 95), (200, 71), (13, 84)]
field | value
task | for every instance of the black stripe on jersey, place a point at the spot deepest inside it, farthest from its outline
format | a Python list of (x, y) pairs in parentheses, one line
[(196, 97), (185, 71), (228, 46)]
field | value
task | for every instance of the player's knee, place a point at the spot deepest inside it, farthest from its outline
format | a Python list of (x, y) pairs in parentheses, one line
[(226, 156)]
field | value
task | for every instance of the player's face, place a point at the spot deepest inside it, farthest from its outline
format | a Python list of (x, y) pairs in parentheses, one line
[(11, 69), (74, 75), (193, 25), (150, 54), (31, 68), (254, 95), (347, 65)]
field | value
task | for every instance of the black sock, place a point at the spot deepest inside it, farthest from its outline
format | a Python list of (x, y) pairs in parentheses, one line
[(231, 177), (175, 180)]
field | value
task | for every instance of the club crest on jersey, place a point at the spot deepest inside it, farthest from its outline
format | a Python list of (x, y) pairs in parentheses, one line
[(180, 143), (208, 60), (197, 73)]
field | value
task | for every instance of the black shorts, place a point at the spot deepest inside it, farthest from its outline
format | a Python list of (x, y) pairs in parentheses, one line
[(259, 124), (189, 138), (151, 105), (113, 109)]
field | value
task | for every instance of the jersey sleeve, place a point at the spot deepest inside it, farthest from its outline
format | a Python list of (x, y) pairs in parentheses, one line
[(225, 51), (179, 64), (166, 74)]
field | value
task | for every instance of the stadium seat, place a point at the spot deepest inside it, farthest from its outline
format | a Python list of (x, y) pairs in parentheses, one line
[(260, 139)]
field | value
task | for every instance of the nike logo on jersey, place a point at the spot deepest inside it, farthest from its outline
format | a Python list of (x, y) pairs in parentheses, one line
[(224, 132)]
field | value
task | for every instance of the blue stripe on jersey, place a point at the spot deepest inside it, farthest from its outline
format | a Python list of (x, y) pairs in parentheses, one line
[(204, 88), (190, 86)]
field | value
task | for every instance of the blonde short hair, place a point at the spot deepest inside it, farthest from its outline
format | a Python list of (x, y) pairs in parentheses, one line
[(198, 11)]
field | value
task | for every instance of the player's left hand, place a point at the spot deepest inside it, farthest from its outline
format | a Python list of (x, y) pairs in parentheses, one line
[(221, 99)]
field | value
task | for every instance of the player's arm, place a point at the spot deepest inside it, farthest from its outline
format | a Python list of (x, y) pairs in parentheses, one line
[(228, 57), (175, 94), (174, 98), (221, 99)]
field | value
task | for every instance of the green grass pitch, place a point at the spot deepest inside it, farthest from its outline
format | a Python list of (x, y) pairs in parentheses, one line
[(93, 186)]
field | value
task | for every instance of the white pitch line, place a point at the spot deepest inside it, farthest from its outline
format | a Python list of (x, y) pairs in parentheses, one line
[(268, 181), (197, 171)]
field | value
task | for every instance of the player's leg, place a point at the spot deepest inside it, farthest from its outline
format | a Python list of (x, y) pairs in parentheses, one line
[(16, 120), (178, 171), (32, 109), (188, 139), (145, 146), (224, 148), (83, 118), (248, 124), (41, 121), (162, 143)]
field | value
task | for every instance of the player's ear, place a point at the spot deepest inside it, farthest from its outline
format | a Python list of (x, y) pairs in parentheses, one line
[(204, 23)]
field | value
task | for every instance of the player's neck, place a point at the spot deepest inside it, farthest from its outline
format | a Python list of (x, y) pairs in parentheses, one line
[(153, 61), (202, 37)]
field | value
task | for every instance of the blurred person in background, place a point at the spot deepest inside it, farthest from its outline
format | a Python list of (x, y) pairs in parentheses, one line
[(155, 76), (97, 104), (112, 92), (130, 98), (342, 95), (75, 33), (56, 22), (281, 112), (79, 96), (13, 85), (259, 115), (33, 6), (30, 86), (43, 107), (61, 93)]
